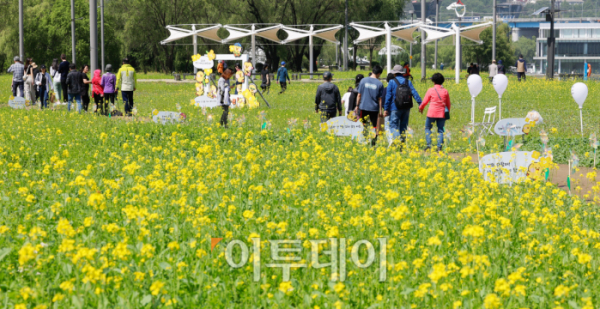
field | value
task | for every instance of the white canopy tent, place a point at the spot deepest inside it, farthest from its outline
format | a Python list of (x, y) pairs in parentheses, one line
[(400, 32), (327, 34), (471, 33), (269, 33), (177, 33)]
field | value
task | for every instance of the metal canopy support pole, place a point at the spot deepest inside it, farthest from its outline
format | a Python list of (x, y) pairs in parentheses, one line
[(253, 42), (423, 46), (346, 39), (437, 12), (494, 32), (93, 36), (457, 64), (21, 45), (550, 57), (310, 46), (102, 32), (195, 42), (388, 46), (73, 31)]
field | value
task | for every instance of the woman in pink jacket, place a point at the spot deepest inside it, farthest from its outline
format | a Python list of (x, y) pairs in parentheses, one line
[(440, 104)]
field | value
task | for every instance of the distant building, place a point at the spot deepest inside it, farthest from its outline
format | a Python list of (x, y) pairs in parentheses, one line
[(576, 43)]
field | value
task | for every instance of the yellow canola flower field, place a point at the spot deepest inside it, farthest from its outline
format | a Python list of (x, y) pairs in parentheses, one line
[(123, 215)]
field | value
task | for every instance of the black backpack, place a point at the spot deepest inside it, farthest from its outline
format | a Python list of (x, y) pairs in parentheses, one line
[(403, 98)]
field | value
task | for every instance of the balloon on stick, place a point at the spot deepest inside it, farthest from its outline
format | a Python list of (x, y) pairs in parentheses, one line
[(500, 82), (579, 91), (475, 85)]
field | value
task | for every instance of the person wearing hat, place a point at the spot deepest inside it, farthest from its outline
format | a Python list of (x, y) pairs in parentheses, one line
[(493, 70), (521, 66), (283, 78), (44, 85), (328, 99), (399, 113), (127, 82), (18, 70), (109, 84)]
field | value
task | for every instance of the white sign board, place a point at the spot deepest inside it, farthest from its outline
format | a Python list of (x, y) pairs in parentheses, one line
[(17, 102), (205, 101), (511, 127), (204, 63), (509, 167), (167, 117), (342, 126)]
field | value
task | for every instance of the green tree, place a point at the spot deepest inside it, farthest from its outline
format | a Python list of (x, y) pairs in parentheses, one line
[(482, 53), (525, 47)]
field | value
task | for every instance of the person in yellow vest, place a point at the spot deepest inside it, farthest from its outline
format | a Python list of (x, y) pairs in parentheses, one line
[(521, 68), (127, 82)]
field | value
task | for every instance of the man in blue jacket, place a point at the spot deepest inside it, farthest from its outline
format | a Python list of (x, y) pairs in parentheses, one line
[(398, 118), (283, 77)]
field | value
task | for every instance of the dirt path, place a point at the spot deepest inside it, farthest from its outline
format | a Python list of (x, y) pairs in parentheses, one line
[(558, 177)]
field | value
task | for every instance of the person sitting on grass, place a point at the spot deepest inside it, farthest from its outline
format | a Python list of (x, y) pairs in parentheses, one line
[(328, 99)]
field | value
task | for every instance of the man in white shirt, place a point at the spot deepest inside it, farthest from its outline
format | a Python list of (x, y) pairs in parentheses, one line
[(346, 100)]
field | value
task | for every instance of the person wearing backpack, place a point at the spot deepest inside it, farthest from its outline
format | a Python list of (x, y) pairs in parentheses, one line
[(328, 99), (369, 100), (439, 110), (398, 102)]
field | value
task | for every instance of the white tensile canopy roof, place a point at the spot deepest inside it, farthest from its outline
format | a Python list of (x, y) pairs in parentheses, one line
[(400, 32), (327, 34), (471, 33), (177, 32), (269, 33)]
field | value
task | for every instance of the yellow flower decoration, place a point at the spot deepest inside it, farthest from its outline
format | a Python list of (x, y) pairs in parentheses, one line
[(208, 71), (155, 112), (211, 56), (196, 57)]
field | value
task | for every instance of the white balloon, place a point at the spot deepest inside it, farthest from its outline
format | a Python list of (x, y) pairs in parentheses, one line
[(475, 84), (579, 91), (500, 82)]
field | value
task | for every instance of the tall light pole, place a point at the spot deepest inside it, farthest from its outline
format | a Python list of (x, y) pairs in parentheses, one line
[(437, 12), (21, 45), (550, 58), (494, 32), (102, 32), (346, 39), (423, 49), (93, 36), (73, 31), (412, 13)]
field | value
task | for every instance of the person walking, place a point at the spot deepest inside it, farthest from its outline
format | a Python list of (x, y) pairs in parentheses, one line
[(440, 105), (85, 87), (64, 69), (44, 83), (74, 86), (18, 70), (127, 83), (109, 86), (369, 100), (354, 95), (346, 100), (223, 94), (55, 74), (29, 80), (501, 69), (442, 66), (521, 66), (265, 78), (98, 92), (493, 70), (328, 99), (283, 78), (398, 102)]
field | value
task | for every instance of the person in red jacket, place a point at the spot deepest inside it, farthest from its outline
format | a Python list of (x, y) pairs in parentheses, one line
[(440, 104), (98, 93)]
